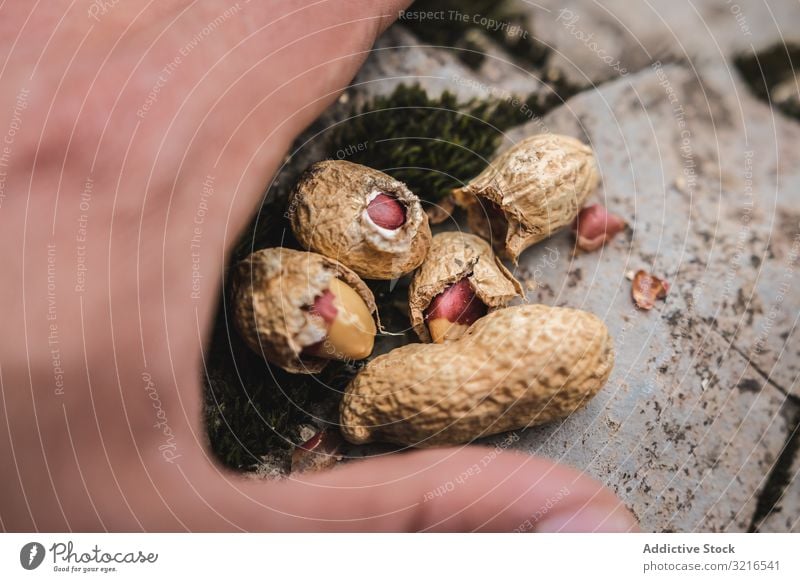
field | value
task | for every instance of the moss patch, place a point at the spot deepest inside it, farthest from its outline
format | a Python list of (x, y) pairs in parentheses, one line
[(254, 409), (433, 145)]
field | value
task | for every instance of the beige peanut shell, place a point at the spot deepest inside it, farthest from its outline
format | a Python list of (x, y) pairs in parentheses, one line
[(454, 256), (272, 291), (539, 185), (516, 367), (328, 213)]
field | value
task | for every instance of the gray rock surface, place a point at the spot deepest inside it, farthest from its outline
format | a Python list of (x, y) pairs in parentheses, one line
[(399, 57), (705, 392), (592, 41), (687, 429), (697, 411)]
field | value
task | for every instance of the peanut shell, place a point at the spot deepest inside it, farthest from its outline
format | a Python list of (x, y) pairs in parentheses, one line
[(516, 367), (328, 212), (538, 185), (272, 291), (454, 256)]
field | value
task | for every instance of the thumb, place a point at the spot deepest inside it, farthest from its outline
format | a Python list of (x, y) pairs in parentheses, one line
[(467, 489)]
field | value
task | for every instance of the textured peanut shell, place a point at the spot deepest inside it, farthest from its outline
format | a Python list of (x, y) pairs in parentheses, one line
[(272, 290), (328, 213), (539, 184), (454, 256), (516, 367)]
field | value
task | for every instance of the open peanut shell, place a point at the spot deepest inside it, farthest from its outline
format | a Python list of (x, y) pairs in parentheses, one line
[(529, 192), (453, 257), (272, 291), (329, 214)]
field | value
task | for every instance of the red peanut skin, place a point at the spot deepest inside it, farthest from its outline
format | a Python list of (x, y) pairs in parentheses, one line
[(457, 304), (387, 212), (595, 225)]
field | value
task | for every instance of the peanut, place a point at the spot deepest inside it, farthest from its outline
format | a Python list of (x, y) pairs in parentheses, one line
[(351, 329), (452, 312), (460, 281), (516, 367), (363, 218), (299, 310), (318, 453), (386, 211), (595, 226), (529, 192)]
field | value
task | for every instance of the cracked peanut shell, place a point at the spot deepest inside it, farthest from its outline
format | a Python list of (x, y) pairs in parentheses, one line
[(529, 192), (273, 290), (328, 213), (516, 367), (454, 256)]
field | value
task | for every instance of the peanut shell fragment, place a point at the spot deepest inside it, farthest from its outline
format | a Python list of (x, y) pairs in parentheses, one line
[(455, 257), (646, 289), (442, 210), (363, 218), (516, 367), (278, 311), (529, 192)]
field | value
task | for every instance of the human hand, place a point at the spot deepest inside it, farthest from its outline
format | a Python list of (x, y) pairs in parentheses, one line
[(120, 117)]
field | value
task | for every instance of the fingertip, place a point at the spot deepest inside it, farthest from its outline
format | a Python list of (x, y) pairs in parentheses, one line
[(485, 489), (592, 518), (446, 490), (502, 490)]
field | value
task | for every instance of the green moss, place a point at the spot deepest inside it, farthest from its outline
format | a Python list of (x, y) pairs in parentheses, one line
[(463, 27), (254, 409), (433, 145)]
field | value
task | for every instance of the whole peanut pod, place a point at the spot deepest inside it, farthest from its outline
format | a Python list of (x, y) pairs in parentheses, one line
[(460, 281), (300, 310), (361, 217), (529, 192), (516, 367)]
